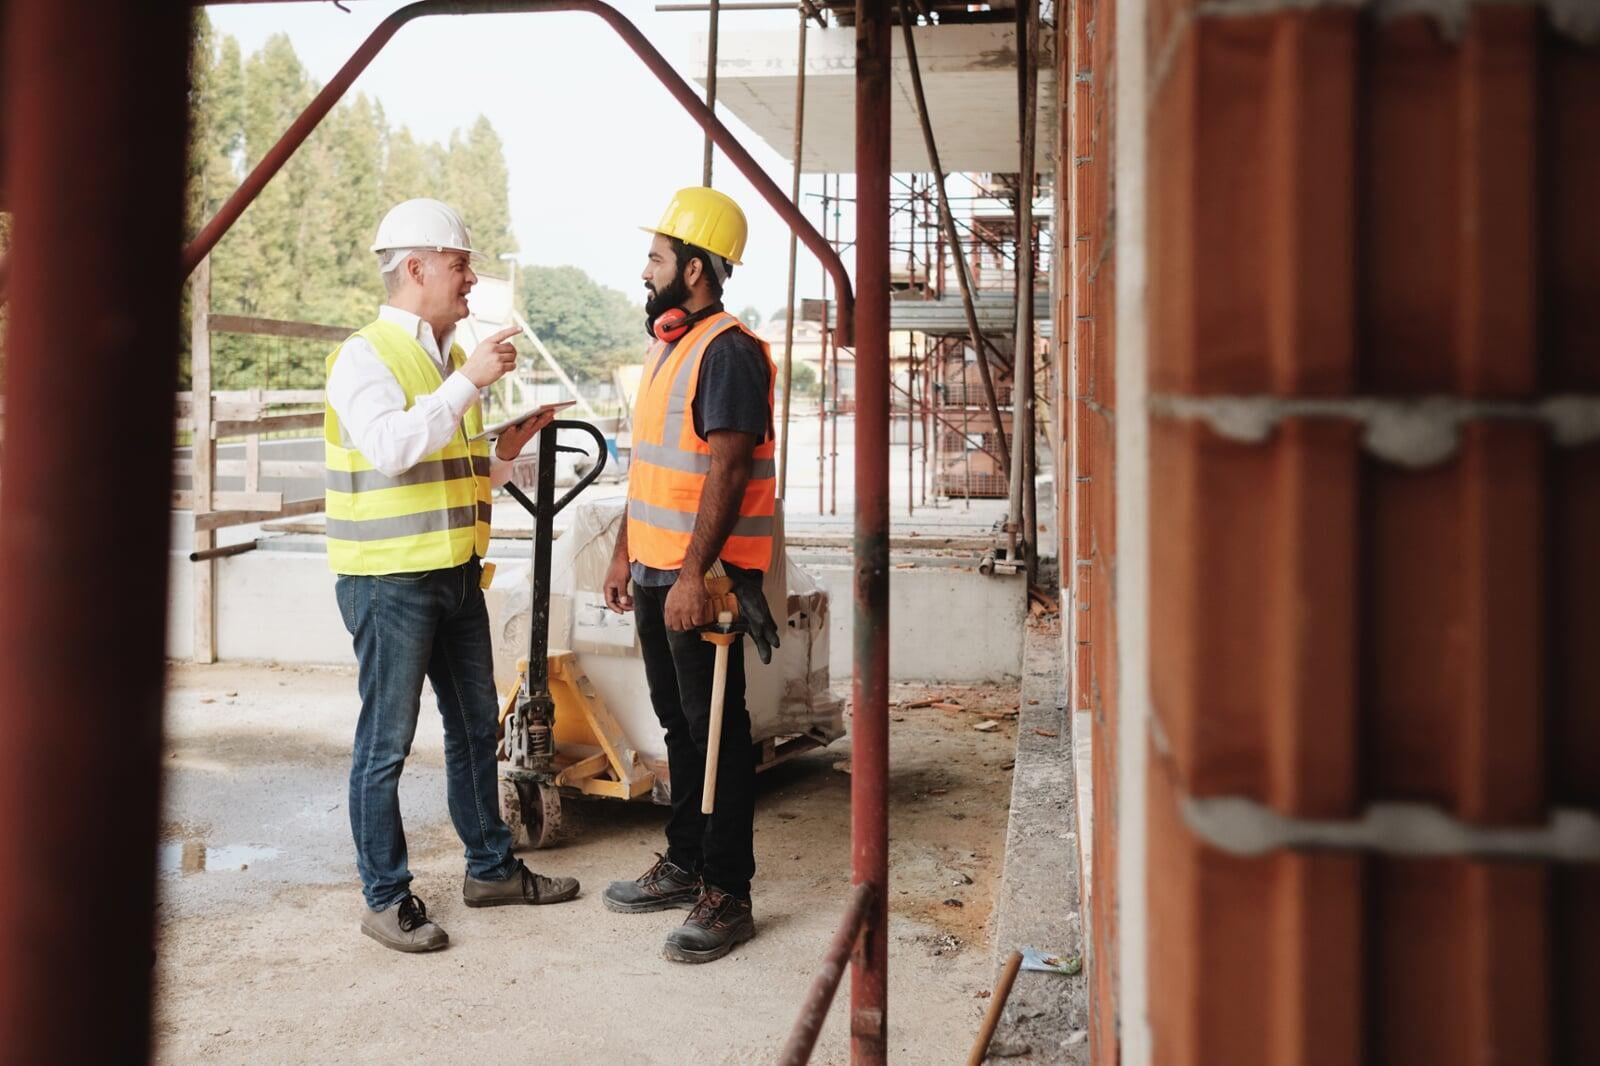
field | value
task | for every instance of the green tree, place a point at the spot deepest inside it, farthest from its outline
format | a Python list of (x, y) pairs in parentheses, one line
[(750, 316), (588, 327), (477, 184), (412, 169), (804, 379), (299, 251)]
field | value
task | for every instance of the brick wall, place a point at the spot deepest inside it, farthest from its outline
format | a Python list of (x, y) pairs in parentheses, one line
[(1373, 255), (1088, 551), (1357, 600)]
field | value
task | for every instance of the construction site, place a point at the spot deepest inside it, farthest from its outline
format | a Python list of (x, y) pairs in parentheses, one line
[(1185, 546)]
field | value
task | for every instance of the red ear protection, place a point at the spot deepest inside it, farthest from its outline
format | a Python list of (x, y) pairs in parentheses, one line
[(671, 324)]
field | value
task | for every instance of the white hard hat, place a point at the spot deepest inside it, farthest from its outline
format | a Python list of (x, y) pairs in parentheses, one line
[(421, 224)]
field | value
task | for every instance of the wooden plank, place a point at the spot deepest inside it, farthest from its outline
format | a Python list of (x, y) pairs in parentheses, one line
[(267, 424), (902, 543), (599, 786), (270, 468), (252, 459), (225, 410), (583, 768), (606, 730), (204, 590), (247, 501), (222, 519), (223, 501), (273, 327)]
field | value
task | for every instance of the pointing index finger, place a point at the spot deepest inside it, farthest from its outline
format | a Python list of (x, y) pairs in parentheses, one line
[(509, 331)]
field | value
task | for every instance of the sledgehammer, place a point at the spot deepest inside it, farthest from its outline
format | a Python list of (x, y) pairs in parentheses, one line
[(720, 587)]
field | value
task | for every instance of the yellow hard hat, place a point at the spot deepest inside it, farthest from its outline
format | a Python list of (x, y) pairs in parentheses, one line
[(706, 219)]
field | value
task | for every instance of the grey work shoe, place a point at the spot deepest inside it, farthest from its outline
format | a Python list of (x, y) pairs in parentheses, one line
[(522, 887), (404, 926), (662, 887), (718, 924)]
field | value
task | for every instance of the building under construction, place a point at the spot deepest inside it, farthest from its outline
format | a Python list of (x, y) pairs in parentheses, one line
[(1258, 339)]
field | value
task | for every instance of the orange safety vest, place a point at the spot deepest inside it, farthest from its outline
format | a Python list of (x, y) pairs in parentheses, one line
[(670, 461)]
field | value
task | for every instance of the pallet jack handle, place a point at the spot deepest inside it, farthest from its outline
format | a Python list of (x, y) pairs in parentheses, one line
[(534, 706)]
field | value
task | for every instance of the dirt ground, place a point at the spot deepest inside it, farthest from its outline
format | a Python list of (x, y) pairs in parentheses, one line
[(260, 959)]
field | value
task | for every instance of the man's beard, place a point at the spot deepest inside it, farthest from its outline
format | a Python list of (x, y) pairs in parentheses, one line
[(676, 294)]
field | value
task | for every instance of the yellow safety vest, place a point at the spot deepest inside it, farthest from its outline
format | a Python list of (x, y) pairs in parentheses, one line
[(670, 461), (430, 517)]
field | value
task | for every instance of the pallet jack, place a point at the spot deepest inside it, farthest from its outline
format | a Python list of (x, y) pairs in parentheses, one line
[(582, 747), (556, 732)]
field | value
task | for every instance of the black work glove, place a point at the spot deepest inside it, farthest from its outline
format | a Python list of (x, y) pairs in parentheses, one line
[(754, 615)]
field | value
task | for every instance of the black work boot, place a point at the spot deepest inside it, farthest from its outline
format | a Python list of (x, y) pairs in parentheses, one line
[(719, 923), (662, 887), (522, 887)]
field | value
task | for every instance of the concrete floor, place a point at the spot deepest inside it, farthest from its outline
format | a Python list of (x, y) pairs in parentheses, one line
[(260, 959)]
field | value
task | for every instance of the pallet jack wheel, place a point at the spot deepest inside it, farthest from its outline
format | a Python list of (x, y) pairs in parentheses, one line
[(532, 810)]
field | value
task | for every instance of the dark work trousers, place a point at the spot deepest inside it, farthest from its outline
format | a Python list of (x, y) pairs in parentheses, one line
[(678, 667)]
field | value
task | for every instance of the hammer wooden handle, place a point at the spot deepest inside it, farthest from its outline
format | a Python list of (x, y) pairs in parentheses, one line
[(719, 689)]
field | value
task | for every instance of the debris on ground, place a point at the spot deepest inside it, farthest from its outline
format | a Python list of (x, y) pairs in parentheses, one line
[(988, 726), (1047, 732), (1049, 962), (942, 943)]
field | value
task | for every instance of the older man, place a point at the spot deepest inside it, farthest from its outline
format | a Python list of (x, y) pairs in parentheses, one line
[(408, 525)]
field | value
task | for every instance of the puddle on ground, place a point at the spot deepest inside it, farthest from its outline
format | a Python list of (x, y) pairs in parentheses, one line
[(196, 856)]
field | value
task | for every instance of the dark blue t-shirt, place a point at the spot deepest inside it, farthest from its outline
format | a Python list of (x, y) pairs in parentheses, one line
[(731, 395)]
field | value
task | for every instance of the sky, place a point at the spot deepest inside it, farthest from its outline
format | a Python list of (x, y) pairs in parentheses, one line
[(594, 145)]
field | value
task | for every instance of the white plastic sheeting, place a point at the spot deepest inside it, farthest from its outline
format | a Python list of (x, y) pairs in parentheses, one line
[(787, 697)]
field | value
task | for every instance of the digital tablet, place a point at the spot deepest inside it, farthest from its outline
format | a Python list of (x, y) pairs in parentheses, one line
[(500, 427)]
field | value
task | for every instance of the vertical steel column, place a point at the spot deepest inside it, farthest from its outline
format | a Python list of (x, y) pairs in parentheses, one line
[(94, 127), (711, 86), (1023, 434), (794, 245), (869, 783)]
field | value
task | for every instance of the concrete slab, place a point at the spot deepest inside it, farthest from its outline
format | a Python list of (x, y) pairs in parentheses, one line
[(969, 75), (260, 961), (947, 622), (1046, 1018)]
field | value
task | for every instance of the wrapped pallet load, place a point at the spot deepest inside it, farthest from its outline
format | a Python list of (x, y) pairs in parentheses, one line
[(790, 704)]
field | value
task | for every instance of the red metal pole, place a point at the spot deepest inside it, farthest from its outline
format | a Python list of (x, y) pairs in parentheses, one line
[(869, 780), (670, 79), (814, 1012), (94, 127)]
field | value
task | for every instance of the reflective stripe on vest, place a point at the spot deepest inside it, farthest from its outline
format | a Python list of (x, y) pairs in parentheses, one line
[(432, 516), (670, 461)]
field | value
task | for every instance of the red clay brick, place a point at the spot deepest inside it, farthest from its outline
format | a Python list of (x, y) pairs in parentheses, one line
[(1502, 712), (1253, 208), (1415, 641), (1507, 926), (1569, 156), (1410, 206), (1451, 937), (1574, 633), (1308, 657), (1498, 281), (1254, 960), (1253, 563), (1307, 149), (1576, 981), (1173, 189)]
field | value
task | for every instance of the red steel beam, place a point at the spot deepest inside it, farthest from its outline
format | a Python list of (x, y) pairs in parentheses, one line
[(94, 128), (869, 779), (814, 1012), (679, 89)]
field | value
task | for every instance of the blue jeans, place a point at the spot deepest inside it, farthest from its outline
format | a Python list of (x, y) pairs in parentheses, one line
[(406, 627)]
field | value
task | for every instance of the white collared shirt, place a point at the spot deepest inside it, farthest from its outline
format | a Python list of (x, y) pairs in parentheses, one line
[(371, 405)]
